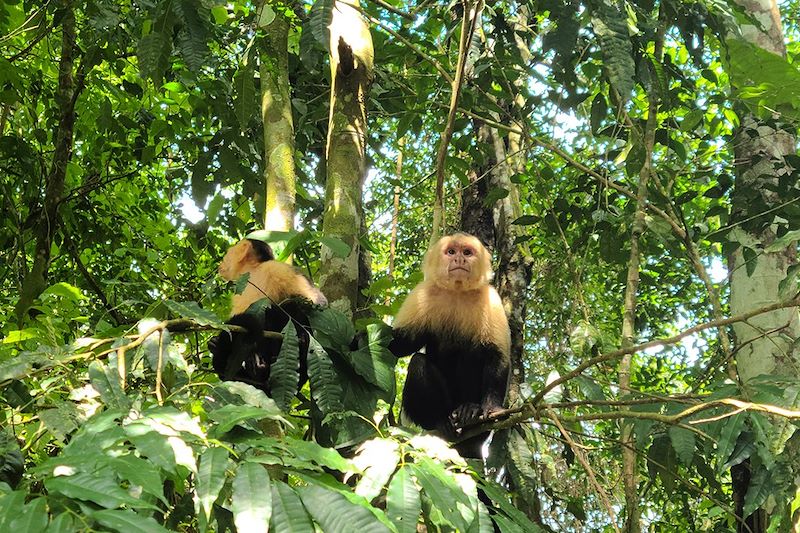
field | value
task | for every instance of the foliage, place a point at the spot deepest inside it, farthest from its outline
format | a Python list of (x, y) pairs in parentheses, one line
[(167, 118)]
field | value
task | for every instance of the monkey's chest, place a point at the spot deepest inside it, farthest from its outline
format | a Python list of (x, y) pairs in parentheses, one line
[(461, 365)]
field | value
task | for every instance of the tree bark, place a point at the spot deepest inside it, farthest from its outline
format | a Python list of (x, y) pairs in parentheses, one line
[(276, 115), (764, 344), (36, 280), (351, 75)]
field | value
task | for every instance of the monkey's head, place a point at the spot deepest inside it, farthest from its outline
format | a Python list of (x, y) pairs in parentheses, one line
[(243, 257), (458, 262)]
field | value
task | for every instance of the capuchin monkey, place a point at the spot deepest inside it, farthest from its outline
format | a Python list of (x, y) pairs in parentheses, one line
[(459, 319), (247, 357)]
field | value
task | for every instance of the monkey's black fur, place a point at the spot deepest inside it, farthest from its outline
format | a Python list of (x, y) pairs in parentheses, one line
[(452, 385), (248, 356)]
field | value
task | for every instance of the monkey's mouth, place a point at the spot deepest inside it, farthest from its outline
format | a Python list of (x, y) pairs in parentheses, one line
[(459, 268)]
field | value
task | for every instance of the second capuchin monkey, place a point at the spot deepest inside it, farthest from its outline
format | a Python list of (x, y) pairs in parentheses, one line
[(248, 356), (459, 319)]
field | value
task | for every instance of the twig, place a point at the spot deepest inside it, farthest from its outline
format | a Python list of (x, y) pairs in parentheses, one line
[(589, 471), (794, 302), (468, 23)]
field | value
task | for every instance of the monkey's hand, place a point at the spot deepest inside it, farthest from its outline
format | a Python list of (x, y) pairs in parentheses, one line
[(465, 415), (220, 347)]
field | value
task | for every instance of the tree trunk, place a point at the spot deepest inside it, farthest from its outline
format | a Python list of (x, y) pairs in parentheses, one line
[(276, 115), (36, 280), (351, 76), (764, 344)]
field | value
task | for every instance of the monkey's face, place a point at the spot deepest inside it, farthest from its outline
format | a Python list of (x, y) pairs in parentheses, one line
[(460, 262), (233, 263)]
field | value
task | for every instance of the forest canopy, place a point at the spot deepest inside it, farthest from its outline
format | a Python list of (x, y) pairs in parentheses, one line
[(631, 165)]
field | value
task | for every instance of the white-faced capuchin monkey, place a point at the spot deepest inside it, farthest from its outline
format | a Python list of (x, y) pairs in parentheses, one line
[(248, 356), (459, 319)]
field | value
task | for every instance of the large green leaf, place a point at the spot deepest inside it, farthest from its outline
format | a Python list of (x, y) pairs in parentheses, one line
[(445, 494), (228, 416), (377, 459), (251, 502), (193, 311), (210, 478), (325, 387), (153, 55), (105, 380), (245, 102), (335, 514), (683, 442), (403, 502), (126, 521), (610, 24), (99, 487), (33, 518), (288, 513), (374, 362), (763, 79), (284, 373)]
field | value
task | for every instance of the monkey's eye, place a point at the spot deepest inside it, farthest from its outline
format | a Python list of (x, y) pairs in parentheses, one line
[(467, 252), (451, 251)]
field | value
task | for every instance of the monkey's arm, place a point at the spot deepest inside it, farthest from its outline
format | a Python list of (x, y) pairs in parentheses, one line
[(405, 342), (495, 379)]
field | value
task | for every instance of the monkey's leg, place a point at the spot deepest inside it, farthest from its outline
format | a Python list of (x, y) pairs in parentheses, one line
[(426, 395)]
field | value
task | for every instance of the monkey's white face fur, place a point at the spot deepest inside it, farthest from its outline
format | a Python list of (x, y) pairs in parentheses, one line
[(458, 262)]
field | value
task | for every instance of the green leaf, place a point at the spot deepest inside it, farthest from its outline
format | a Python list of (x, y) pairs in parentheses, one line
[(33, 518), (228, 416), (377, 459), (445, 493), (403, 502), (494, 195), (288, 512), (98, 487), (65, 290), (215, 208), (729, 434), (336, 514), (105, 380), (63, 523), (284, 374), (683, 443), (245, 101), (192, 40), (210, 478), (781, 243), (610, 24), (251, 502), (266, 16), (324, 456), (338, 247), (332, 329), (374, 362), (153, 54), (598, 112), (325, 387), (758, 491), (500, 498), (763, 79), (139, 472), (220, 14), (319, 20), (193, 311), (11, 506), (128, 521)]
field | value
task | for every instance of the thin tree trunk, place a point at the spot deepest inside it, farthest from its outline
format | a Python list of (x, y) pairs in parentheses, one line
[(36, 280), (276, 115), (351, 76), (760, 149)]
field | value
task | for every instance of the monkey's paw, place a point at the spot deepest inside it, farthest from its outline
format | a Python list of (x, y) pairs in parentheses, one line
[(465, 415)]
